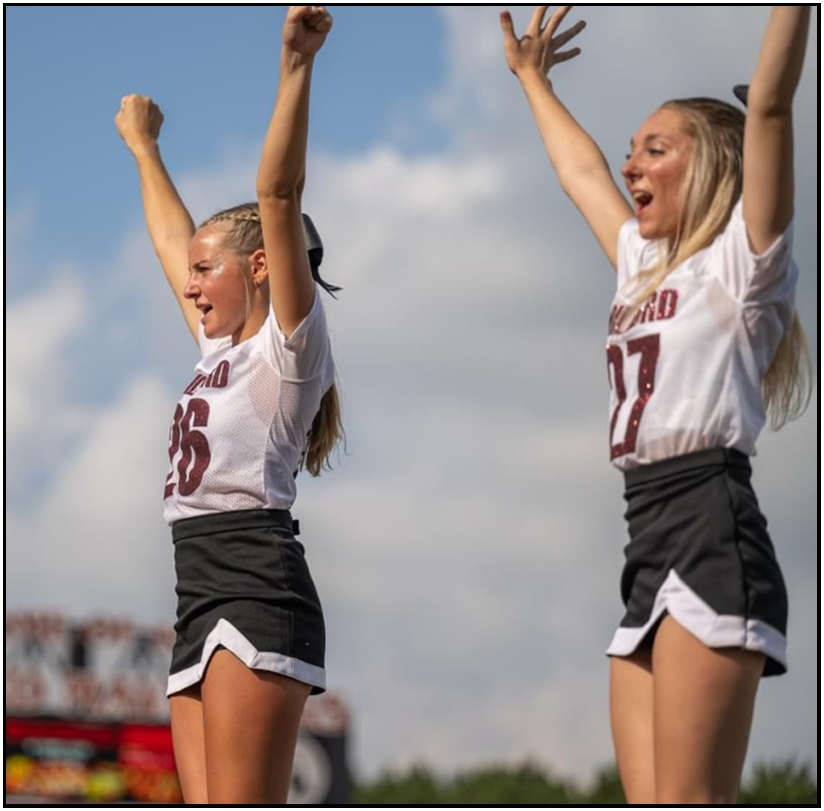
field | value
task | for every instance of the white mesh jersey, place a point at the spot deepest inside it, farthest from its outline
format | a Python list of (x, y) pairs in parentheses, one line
[(685, 371), (240, 430)]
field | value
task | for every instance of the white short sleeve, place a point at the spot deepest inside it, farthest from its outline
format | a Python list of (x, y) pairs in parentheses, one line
[(306, 353), (749, 277)]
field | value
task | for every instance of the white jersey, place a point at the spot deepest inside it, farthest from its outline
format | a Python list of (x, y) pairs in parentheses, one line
[(685, 371), (240, 430)]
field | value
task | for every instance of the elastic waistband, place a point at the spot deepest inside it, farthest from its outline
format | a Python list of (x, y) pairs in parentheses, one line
[(724, 457), (236, 519)]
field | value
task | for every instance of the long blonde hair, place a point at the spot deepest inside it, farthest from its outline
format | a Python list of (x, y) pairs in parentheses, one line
[(244, 236), (712, 187)]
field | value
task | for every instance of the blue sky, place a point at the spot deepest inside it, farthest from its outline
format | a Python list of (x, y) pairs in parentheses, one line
[(213, 67), (454, 546)]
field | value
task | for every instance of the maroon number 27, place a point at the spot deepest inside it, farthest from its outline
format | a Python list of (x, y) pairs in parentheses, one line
[(649, 347)]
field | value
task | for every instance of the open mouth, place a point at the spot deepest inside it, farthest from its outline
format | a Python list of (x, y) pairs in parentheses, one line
[(205, 309), (643, 200)]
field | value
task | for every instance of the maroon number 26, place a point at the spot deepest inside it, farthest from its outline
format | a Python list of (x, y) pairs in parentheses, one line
[(192, 444)]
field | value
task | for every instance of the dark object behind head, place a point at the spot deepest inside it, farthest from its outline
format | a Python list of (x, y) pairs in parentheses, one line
[(314, 247), (245, 235), (742, 91)]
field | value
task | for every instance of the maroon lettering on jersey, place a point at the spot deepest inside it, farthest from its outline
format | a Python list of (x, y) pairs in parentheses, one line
[(661, 306), (217, 379)]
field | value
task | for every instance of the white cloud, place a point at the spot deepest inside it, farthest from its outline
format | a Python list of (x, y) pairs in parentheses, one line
[(86, 472), (39, 328), (95, 542)]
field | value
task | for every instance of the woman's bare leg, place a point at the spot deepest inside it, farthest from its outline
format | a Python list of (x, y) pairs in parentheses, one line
[(187, 736)]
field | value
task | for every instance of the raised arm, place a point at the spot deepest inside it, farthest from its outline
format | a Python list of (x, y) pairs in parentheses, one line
[(580, 165), (769, 185), (283, 167), (169, 224)]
